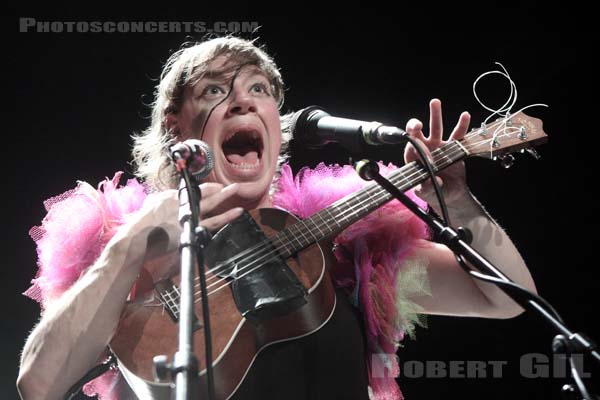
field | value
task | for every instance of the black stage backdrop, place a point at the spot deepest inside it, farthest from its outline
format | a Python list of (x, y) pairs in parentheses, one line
[(79, 96)]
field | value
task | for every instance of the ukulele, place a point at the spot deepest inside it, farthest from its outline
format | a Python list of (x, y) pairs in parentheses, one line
[(271, 251)]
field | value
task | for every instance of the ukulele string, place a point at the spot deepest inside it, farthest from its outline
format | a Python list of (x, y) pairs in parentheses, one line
[(378, 196), (497, 125), (501, 127), (265, 244), (268, 244)]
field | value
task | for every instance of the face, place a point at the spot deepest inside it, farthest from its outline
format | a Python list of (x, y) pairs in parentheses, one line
[(243, 129)]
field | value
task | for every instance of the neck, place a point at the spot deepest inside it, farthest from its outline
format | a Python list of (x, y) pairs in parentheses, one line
[(264, 202), (247, 204)]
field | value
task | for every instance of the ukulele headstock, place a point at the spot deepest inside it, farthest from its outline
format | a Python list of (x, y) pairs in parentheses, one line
[(506, 135)]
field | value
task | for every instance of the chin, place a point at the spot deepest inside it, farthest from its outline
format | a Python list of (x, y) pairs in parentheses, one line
[(254, 194)]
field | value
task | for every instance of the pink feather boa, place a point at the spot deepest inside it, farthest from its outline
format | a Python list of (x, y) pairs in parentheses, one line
[(370, 253), (78, 225)]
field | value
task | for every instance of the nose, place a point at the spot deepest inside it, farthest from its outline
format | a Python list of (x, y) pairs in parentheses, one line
[(241, 103)]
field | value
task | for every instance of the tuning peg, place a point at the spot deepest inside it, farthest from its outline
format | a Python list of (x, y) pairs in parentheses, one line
[(507, 119), (522, 133), (483, 129), (506, 161), (533, 153)]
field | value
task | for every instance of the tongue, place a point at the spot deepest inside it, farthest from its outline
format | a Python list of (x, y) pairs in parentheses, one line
[(241, 155)]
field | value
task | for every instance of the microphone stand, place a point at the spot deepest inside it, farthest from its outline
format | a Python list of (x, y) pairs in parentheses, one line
[(192, 240), (566, 341)]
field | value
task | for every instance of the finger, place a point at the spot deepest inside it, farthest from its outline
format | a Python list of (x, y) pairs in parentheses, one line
[(462, 126), (414, 127), (210, 188), (426, 150), (215, 223), (209, 203), (411, 154), (436, 125)]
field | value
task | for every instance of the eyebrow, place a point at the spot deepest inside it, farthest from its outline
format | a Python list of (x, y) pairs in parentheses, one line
[(225, 75)]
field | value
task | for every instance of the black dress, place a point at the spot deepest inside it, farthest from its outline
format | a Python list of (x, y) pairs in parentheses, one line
[(327, 364)]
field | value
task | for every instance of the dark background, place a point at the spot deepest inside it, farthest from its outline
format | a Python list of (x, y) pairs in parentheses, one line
[(80, 96)]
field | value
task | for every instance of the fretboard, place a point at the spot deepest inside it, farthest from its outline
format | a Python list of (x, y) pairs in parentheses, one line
[(351, 208)]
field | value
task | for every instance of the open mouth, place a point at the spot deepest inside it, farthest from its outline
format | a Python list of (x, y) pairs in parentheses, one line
[(243, 149)]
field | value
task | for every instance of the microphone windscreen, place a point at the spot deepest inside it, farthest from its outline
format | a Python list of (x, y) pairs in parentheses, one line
[(304, 126)]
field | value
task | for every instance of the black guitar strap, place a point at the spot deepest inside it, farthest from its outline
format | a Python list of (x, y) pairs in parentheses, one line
[(93, 373)]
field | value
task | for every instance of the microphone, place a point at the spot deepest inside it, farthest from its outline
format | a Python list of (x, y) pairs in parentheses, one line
[(314, 128), (199, 157)]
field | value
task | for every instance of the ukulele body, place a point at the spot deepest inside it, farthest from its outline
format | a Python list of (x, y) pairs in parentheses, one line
[(148, 328)]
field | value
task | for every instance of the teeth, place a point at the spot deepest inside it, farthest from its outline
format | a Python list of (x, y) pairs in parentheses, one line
[(245, 165), (253, 135)]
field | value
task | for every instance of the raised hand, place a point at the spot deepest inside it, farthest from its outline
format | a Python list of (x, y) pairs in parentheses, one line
[(452, 179)]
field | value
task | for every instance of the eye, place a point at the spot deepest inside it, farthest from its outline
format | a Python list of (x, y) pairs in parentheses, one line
[(260, 88), (212, 91)]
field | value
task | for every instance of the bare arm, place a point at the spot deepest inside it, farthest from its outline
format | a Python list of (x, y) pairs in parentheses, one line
[(74, 330), (454, 292)]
